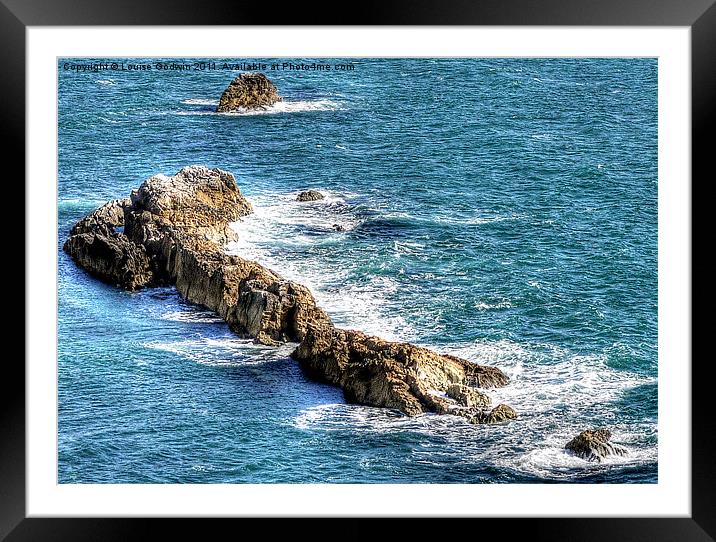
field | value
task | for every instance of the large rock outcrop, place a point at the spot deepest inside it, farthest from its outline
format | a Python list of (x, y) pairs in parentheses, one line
[(172, 230), (97, 246), (248, 91), (414, 380), (594, 445), (175, 229)]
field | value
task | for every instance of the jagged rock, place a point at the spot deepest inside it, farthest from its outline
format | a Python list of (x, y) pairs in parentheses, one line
[(197, 200), (175, 230), (111, 257), (594, 445), (310, 195), (109, 216), (95, 245), (501, 413), (248, 91), (389, 374), (467, 396)]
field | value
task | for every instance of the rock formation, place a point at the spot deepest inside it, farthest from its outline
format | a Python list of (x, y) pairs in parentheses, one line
[(248, 91), (594, 445), (174, 232), (310, 195), (95, 245), (402, 376)]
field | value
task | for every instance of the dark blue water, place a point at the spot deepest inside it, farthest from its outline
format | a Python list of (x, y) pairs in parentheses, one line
[(504, 210)]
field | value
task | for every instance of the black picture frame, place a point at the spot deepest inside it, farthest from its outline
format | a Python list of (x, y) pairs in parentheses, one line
[(699, 15)]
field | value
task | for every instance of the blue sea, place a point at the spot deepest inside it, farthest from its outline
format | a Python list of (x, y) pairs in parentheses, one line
[(501, 210)]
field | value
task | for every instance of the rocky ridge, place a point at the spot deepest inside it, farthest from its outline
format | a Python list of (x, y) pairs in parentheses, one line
[(172, 230)]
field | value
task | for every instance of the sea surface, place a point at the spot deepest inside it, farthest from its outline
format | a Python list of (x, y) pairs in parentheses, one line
[(502, 210)]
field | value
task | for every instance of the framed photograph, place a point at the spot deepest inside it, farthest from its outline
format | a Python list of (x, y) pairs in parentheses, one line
[(434, 268)]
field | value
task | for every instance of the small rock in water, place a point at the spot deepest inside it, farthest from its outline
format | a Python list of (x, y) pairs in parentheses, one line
[(310, 195), (338, 227), (501, 413), (594, 445), (248, 91)]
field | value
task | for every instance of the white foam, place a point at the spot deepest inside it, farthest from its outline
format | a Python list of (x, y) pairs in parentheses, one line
[(483, 306), (551, 386), (193, 316), (453, 220), (227, 351), (200, 101), (549, 380), (550, 459), (489, 220), (534, 284), (453, 430), (274, 229), (106, 82), (300, 106), (340, 416), (80, 203)]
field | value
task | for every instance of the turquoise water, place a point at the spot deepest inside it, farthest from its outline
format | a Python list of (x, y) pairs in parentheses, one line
[(503, 210)]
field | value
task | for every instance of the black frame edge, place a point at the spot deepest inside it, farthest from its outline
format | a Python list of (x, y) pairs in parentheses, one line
[(367, 12), (12, 400), (703, 119), (699, 14)]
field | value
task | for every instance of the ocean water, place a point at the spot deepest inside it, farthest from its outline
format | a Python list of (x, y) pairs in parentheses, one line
[(503, 210)]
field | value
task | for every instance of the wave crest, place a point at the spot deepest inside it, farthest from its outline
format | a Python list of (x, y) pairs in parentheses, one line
[(299, 106)]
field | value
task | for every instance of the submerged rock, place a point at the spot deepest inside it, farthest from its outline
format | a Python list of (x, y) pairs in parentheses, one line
[(310, 195), (594, 445), (174, 232), (248, 91)]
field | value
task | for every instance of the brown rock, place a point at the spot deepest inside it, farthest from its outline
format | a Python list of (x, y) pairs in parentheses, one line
[(395, 375), (467, 396), (175, 229), (197, 200), (95, 245), (594, 445), (111, 257), (310, 195), (174, 232), (248, 91), (501, 413), (109, 217)]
